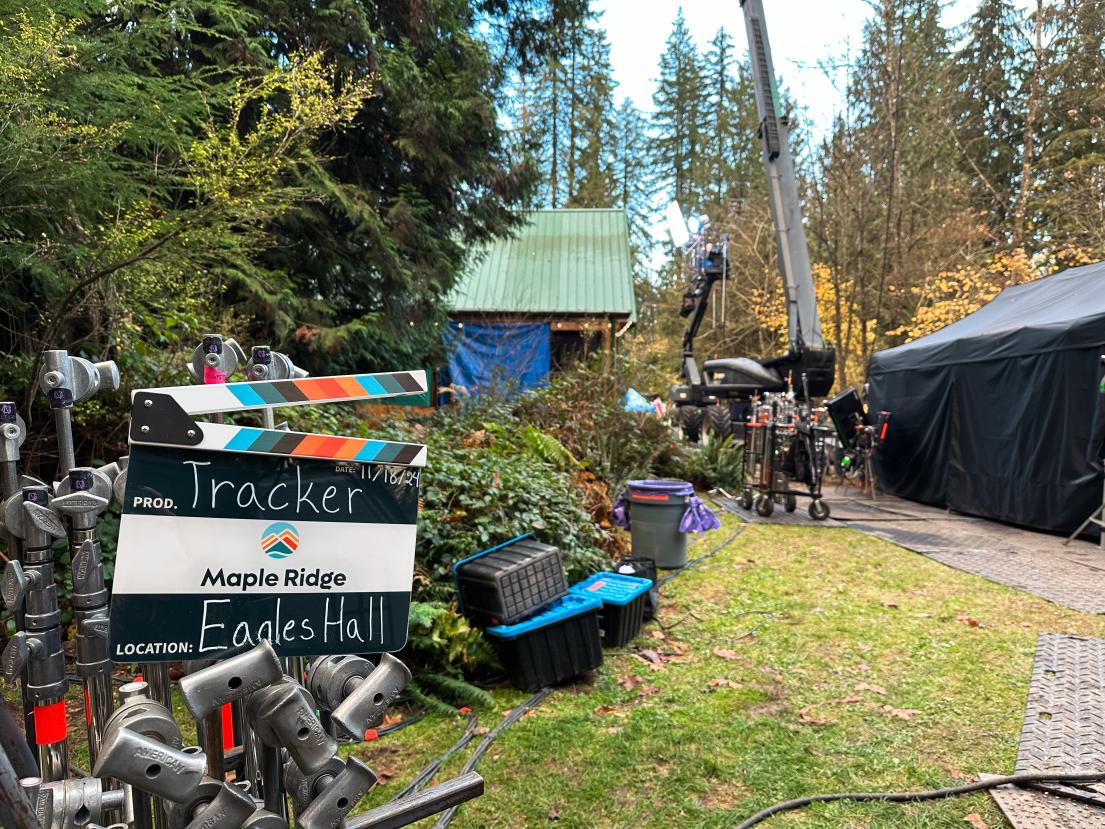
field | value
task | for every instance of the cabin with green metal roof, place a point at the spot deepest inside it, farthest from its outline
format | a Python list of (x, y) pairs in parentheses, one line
[(559, 288)]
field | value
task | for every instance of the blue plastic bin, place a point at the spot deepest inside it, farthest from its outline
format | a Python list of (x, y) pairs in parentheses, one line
[(559, 643), (623, 604)]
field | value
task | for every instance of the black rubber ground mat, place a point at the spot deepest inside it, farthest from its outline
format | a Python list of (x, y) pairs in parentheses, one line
[(1064, 730), (1038, 563), (1072, 576)]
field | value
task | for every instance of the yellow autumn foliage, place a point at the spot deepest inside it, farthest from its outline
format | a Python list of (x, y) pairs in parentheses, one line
[(950, 296)]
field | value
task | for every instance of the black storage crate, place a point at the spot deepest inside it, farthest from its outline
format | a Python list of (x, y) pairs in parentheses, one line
[(558, 644), (623, 605), (507, 583)]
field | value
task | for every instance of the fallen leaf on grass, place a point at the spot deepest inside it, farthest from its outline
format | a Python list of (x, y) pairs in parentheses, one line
[(604, 709), (614, 729), (652, 666), (851, 700), (867, 686), (479, 731), (631, 682), (657, 634), (724, 653), (901, 713), (975, 819), (889, 605), (383, 775), (806, 715), (679, 660), (724, 683), (969, 621), (679, 648), (554, 815), (647, 691)]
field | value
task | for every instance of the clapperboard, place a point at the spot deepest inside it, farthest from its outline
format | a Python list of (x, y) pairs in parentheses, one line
[(233, 534)]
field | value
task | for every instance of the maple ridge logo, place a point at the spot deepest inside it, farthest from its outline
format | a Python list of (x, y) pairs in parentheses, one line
[(279, 540)]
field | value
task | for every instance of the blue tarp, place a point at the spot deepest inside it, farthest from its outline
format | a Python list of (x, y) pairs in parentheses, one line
[(487, 355)]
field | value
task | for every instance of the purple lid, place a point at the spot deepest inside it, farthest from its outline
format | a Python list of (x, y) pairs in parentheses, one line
[(668, 487)]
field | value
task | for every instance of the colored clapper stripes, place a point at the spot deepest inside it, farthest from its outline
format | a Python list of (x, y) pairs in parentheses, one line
[(319, 389), (299, 444)]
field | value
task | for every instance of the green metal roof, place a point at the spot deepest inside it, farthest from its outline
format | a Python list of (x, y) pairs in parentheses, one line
[(561, 262)]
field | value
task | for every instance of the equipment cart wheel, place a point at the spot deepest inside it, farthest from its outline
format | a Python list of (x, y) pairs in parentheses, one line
[(790, 502), (746, 499), (716, 422), (765, 505), (689, 419), (819, 509)]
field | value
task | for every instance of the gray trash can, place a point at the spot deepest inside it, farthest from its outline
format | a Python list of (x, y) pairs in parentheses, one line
[(655, 510)]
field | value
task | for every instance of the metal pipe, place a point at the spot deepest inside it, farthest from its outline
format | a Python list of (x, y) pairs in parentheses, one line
[(12, 433), (159, 686), (431, 801), (45, 659), (212, 743), (138, 806), (272, 781), (67, 456), (53, 758)]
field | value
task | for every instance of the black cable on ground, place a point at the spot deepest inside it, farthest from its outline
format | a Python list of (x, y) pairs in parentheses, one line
[(391, 729), (1026, 778), (515, 715), (430, 769)]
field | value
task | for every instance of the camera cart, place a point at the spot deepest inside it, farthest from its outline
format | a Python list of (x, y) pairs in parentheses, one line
[(777, 455)]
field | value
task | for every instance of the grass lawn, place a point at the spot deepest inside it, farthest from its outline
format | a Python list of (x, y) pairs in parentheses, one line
[(870, 667), (875, 669)]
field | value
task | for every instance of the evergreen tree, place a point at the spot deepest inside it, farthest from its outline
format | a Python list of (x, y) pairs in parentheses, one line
[(592, 183), (405, 191), (1067, 197), (633, 178), (989, 72), (729, 163), (678, 117)]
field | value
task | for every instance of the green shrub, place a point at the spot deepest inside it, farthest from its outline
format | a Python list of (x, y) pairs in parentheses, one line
[(716, 464), (582, 408)]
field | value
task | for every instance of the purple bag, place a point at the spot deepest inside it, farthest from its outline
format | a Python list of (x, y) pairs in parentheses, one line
[(621, 512), (697, 518)]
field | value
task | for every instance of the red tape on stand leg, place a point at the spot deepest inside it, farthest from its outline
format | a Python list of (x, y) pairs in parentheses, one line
[(51, 725), (228, 727), (87, 709)]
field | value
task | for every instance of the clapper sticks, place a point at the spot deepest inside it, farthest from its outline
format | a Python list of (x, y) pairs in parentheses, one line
[(265, 564)]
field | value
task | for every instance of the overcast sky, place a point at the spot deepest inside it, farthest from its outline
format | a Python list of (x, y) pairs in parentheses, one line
[(810, 41)]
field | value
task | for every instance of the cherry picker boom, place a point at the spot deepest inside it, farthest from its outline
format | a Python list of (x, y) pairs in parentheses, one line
[(809, 366)]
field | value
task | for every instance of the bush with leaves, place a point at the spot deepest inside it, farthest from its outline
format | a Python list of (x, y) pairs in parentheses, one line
[(489, 477), (582, 409), (715, 464)]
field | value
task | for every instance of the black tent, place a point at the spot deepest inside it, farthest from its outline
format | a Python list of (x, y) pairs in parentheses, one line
[(1000, 414)]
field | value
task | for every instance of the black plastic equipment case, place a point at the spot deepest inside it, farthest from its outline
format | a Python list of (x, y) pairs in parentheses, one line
[(847, 413), (623, 605), (558, 644), (644, 568), (507, 583)]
